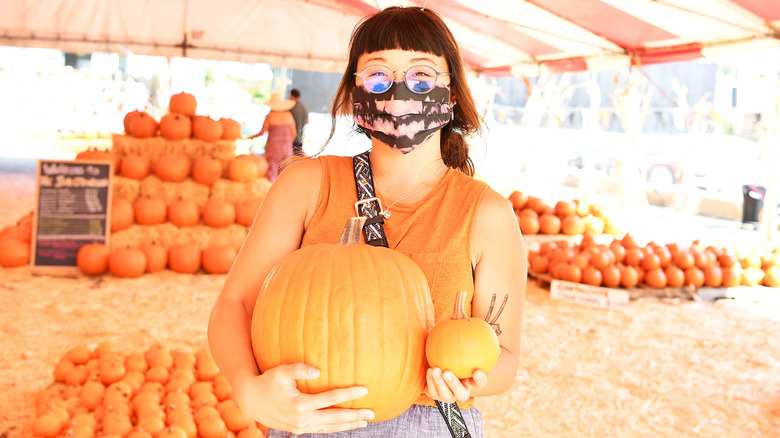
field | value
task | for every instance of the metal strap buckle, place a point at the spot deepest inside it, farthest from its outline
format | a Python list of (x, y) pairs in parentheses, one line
[(366, 201)]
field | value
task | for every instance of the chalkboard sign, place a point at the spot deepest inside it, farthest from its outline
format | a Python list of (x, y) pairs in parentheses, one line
[(71, 210)]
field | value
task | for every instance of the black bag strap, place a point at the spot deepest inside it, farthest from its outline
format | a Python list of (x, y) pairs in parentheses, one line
[(368, 205)]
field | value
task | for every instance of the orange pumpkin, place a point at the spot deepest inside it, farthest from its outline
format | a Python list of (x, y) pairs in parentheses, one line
[(206, 129), (184, 258), (218, 213), (246, 212), (184, 213), (231, 129), (175, 126), (173, 167), (122, 215), (549, 223), (462, 344), (354, 279), (127, 262), (14, 253), (518, 199), (128, 119), (528, 224), (150, 210), (92, 258), (135, 166), (156, 257), (142, 126), (207, 170), (183, 103), (243, 169), (218, 259), (572, 225)]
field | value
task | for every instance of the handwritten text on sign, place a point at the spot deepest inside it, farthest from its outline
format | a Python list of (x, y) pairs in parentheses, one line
[(594, 296)]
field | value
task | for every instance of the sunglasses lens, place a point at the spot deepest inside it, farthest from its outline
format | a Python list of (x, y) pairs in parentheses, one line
[(377, 79), (420, 79)]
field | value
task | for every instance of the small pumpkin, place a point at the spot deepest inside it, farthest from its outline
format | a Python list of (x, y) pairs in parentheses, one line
[(462, 344), (128, 119), (219, 213), (16, 232), (127, 262), (218, 259), (184, 212), (135, 166), (14, 253), (122, 214), (150, 210), (243, 169), (354, 279), (143, 126), (246, 212), (231, 129), (183, 103), (173, 167), (92, 258), (184, 258), (206, 129), (207, 170), (175, 126)]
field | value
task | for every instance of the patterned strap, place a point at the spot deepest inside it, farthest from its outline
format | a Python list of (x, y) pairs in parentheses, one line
[(374, 232)]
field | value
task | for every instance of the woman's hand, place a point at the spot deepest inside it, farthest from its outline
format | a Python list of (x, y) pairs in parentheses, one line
[(274, 400), (446, 387)]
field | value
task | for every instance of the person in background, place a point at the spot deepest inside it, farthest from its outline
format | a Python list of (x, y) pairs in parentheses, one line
[(301, 115), (405, 87), (280, 126)]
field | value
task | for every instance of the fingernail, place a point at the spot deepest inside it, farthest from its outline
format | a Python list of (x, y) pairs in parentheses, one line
[(448, 376), (370, 415), (363, 424), (436, 373), (314, 372), (362, 391)]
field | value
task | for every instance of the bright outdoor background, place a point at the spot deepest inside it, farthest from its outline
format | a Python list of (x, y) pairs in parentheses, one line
[(698, 132)]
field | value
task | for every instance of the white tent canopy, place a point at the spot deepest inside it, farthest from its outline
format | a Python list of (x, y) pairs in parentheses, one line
[(496, 36)]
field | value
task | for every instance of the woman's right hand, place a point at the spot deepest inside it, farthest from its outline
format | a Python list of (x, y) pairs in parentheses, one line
[(274, 400)]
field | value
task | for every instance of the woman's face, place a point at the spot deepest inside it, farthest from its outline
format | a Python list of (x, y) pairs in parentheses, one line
[(400, 61)]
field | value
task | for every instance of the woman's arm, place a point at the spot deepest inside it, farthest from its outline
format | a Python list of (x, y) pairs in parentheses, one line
[(500, 274), (272, 398), (264, 129)]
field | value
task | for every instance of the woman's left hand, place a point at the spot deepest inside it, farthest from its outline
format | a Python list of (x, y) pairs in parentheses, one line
[(446, 387)]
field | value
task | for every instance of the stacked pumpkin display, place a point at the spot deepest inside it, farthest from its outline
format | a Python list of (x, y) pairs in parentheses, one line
[(571, 218), (15, 240), (182, 200), (625, 263), (159, 392)]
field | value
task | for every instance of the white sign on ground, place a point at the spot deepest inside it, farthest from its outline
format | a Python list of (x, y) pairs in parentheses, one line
[(593, 296)]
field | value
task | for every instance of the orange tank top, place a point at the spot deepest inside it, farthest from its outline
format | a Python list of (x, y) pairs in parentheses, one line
[(434, 232)]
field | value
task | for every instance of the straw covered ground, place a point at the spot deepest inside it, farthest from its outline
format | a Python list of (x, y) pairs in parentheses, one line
[(654, 369)]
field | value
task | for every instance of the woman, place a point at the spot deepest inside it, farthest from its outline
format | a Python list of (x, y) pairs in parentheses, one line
[(463, 234), (280, 126)]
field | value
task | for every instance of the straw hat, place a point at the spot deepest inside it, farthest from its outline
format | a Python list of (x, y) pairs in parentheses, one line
[(278, 103)]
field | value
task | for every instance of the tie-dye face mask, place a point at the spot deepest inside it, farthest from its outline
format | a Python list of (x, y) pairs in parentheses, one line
[(400, 118)]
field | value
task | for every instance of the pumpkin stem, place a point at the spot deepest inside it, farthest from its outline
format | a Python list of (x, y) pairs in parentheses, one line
[(460, 306), (352, 230)]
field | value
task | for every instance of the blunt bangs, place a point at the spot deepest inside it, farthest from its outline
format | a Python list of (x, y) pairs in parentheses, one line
[(406, 28)]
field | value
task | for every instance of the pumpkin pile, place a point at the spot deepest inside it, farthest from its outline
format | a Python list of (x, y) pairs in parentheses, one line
[(572, 218), (159, 392), (181, 123), (15, 247), (625, 263)]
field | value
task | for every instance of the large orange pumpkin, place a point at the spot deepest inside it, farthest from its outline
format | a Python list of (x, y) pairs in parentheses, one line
[(142, 126), (462, 344), (127, 262), (358, 313), (184, 212), (135, 166), (92, 258), (173, 167), (218, 259), (207, 170), (218, 213), (14, 253), (183, 103), (184, 258), (122, 214)]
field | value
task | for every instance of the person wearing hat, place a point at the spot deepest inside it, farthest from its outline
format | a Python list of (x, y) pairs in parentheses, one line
[(280, 126)]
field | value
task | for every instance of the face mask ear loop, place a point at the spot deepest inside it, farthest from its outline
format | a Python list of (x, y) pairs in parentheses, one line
[(453, 111)]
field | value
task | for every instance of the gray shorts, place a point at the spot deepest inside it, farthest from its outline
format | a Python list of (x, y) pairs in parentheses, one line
[(417, 421)]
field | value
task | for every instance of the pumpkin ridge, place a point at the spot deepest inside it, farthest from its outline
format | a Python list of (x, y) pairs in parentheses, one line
[(408, 341)]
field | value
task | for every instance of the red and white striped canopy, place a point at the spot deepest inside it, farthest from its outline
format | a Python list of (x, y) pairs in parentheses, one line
[(498, 37)]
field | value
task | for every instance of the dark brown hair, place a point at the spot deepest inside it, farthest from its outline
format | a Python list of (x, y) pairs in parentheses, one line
[(420, 30)]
